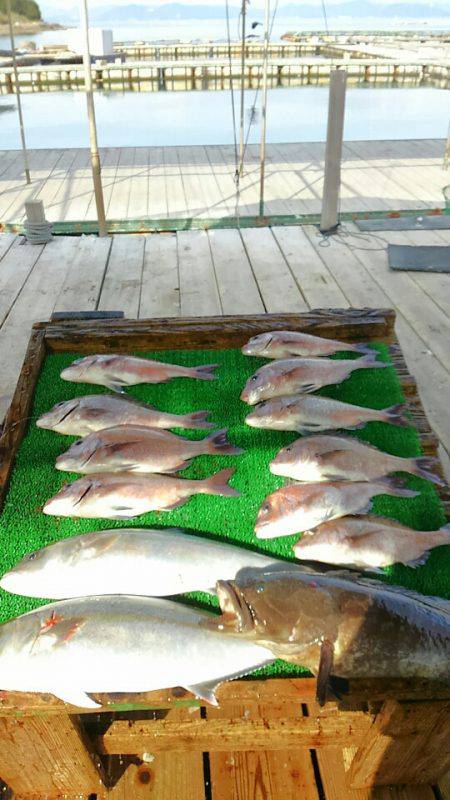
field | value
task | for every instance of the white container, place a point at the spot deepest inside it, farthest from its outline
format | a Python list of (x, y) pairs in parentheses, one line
[(100, 41)]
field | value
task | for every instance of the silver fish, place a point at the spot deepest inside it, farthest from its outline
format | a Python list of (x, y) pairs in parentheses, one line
[(301, 506), (325, 458), (122, 495), (118, 371), (84, 415), (301, 376), (129, 561), (133, 448), (311, 414), (284, 344), (73, 648), (369, 542)]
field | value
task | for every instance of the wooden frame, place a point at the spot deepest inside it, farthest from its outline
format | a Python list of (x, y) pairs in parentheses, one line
[(373, 714)]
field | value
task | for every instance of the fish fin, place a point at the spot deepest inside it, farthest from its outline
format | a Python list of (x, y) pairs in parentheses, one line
[(76, 697), (174, 505), (180, 466), (218, 484), (205, 372), (365, 509), (307, 388), (396, 487), (324, 671), (424, 467), (99, 545), (122, 508), (115, 387), (197, 420), (370, 362), (217, 443), (363, 348), (417, 562), (206, 691), (396, 415)]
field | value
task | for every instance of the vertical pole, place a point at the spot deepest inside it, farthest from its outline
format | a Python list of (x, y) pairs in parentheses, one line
[(333, 153), (242, 114), (262, 145), (95, 158), (19, 101), (447, 150)]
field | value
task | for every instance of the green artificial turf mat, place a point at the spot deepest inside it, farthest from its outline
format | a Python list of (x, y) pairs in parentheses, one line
[(24, 528)]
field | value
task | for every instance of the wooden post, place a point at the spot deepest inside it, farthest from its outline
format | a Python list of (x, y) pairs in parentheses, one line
[(336, 108), (48, 757), (407, 743), (95, 157), (262, 144)]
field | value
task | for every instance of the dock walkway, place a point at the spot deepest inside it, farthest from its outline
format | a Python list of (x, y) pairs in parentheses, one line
[(163, 182), (255, 270)]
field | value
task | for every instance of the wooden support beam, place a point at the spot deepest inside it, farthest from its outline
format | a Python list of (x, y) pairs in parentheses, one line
[(48, 757), (407, 743), (234, 734), (333, 153)]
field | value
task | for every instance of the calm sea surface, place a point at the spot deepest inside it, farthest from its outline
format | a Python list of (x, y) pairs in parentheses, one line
[(58, 119)]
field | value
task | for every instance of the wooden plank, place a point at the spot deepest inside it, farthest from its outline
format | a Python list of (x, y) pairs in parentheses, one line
[(49, 191), (177, 204), (161, 776), (48, 758), (68, 185), (157, 190), (138, 199), (122, 284), (229, 734), (79, 190), (118, 204), (199, 295), (224, 181), (16, 265), (245, 775), (419, 755), (6, 240), (316, 282), (239, 293), (160, 291), (12, 203), (35, 302), (278, 288), (83, 283), (110, 159)]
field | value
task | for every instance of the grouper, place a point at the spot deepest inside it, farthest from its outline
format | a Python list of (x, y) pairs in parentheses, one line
[(73, 648), (338, 624)]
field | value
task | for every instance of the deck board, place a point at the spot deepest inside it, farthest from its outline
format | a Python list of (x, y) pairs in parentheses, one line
[(199, 180)]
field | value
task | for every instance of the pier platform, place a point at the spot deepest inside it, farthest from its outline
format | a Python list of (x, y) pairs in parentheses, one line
[(198, 181)]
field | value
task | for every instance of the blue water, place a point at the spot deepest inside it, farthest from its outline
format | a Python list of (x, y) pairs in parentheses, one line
[(295, 114)]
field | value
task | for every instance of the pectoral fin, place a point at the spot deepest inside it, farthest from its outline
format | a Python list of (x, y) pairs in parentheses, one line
[(174, 505), (76, 697), (206, 691), (324, 672)]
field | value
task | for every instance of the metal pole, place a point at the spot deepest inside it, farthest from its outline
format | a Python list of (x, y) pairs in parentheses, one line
[(19, 102), (447, 150), (242, 114), (262, 146), (95, 158), (333, 152)]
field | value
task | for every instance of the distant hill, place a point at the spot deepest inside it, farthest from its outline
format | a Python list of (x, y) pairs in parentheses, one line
[(357, 9), (25, 9)]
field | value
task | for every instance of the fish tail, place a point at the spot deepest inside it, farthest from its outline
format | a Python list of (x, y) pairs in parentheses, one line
[(197, 420), (369, 361), (444, 532), (218, 484), (205, 372), (396, 487), (217, 443), (396, 415), (425, 468)]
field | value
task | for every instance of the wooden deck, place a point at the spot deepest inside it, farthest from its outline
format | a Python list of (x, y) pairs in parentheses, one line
[(163, 182), (195, 273)]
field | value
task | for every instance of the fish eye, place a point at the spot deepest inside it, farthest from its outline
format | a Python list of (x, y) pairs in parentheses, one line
[(32, 556), (265, 508), (288, 449), (254, 378)]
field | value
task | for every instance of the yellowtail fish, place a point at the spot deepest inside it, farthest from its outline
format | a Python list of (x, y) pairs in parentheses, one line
[(123, 495), (118, 371), (284, 344), (301, 376), (133, 448), (311, 414), (141, 561), (328, 458), (90, 645), (338, 624), (369, 542), (301, 506), (83, 415)]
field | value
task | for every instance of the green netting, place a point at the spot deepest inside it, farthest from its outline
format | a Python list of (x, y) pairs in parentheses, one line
[(24, 528)]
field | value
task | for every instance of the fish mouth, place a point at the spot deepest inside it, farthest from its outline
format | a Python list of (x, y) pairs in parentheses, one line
[(236, 614), (275, 467)]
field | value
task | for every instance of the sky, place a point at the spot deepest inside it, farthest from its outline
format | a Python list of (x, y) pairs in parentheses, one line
[(69, 4)]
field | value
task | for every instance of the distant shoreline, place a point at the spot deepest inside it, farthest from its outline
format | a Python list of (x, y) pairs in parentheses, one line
[(28, 27)]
